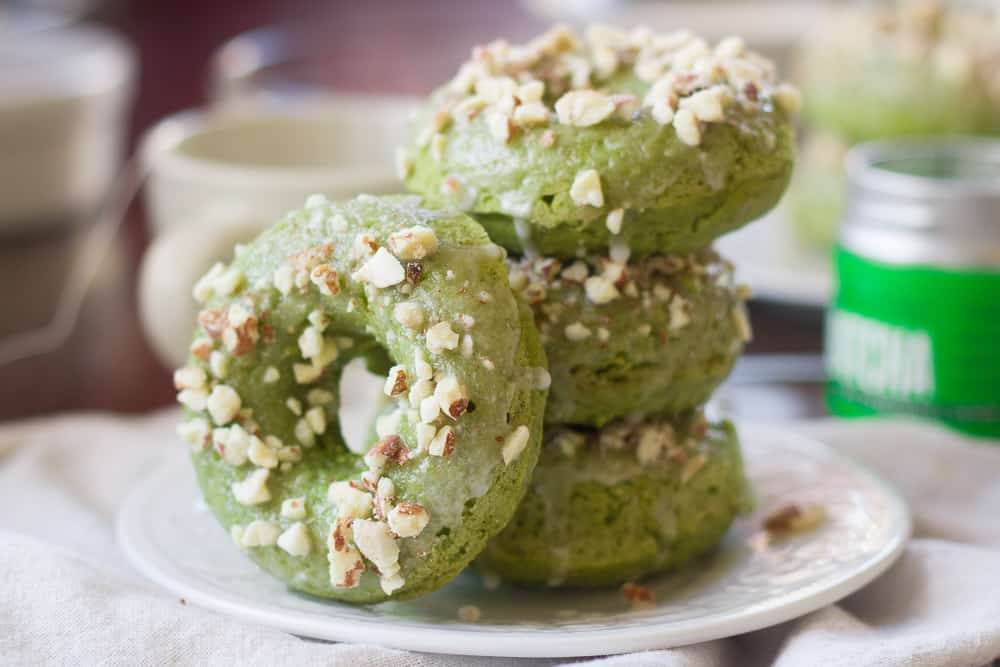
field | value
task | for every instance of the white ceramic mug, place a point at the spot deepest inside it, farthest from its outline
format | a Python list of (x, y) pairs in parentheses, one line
[(217, 178), (65, 93), (264, 161)]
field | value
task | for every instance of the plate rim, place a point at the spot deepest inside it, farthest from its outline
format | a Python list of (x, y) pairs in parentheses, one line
[(469, 639), (773, 278)]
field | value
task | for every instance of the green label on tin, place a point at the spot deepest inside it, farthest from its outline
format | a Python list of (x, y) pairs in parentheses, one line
[(915, 340)]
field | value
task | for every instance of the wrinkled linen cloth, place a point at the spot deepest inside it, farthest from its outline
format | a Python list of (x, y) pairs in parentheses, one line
[(69, 596)]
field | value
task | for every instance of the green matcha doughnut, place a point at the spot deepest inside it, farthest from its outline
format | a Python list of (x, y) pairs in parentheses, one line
[(376, 278), (621, 503), (914, 68), (563, 145), (651, 337)]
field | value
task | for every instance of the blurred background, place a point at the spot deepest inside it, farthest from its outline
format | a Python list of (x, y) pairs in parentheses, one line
[(85, 83)]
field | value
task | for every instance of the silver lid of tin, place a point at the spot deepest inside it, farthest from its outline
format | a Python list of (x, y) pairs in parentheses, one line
[(931, 202)]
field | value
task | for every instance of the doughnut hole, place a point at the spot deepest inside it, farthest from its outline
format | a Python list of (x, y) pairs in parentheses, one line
[(361, 399)]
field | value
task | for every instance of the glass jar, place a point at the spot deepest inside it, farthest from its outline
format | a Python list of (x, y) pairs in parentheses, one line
[(914, 327)]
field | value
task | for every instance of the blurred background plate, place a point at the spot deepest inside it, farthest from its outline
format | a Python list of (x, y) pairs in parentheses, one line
[(771, 259)]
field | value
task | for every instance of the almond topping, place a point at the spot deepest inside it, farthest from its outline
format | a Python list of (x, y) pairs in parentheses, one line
[(325, 277), (582, 108), (408, 519), (214, 322), (614, 220), (686, 126), (451, 397), (391, 447), (443, 443), (576, 332), (381, 270), (440, 337), (306, 260), (413, 272), (413, 243), (409, 314), (515, 443), (201, 348), (586, 189), (395, 383)]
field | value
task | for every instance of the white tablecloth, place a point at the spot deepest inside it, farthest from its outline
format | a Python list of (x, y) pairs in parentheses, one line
[(69, 597)]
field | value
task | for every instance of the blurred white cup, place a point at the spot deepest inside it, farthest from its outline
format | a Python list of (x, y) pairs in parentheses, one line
[(217, 178), (65, 93), (264, 161), (170, 268)]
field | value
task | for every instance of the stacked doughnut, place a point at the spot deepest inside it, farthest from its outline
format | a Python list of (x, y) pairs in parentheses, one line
[(606, 165), (423, 297)]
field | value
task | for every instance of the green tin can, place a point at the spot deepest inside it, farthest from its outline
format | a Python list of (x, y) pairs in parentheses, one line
[(914, 327)]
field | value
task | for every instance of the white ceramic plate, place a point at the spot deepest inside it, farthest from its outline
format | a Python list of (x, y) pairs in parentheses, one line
[(771, 260), (170, 536)]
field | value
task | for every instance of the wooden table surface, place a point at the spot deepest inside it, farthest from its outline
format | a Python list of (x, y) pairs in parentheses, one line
[(385, 46)]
